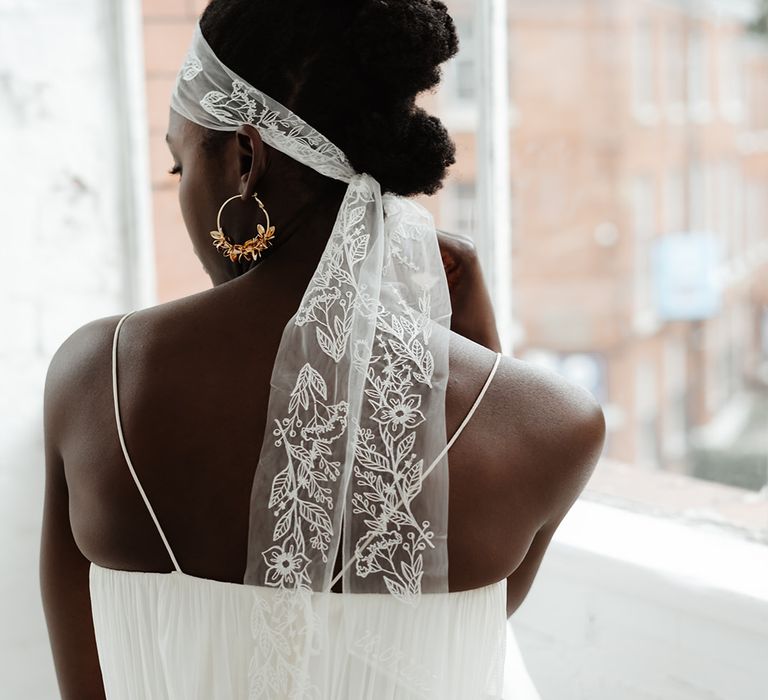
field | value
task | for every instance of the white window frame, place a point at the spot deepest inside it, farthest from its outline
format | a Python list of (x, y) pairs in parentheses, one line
[(494, 181), (650, 550)]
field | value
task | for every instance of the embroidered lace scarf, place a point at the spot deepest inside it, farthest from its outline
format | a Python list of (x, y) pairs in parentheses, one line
[(356, 415)]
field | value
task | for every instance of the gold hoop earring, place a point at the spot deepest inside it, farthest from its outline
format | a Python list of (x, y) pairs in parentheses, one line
[(253, 247)]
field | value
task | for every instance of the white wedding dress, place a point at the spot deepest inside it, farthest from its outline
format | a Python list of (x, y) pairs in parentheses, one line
[(172, 636)]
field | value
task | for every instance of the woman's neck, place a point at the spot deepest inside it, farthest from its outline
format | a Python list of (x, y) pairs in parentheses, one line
[(300, 240)]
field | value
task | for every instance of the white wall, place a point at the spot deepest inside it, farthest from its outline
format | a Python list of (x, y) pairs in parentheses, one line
[(67, 200), (632, 607)]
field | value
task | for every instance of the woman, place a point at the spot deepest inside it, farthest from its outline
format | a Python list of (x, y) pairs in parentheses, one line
[(301, 115)]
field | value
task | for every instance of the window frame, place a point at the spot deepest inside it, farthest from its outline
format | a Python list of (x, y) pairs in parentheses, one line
[(497, 115)]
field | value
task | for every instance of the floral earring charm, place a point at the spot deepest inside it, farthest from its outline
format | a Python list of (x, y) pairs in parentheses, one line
[(252, 248)]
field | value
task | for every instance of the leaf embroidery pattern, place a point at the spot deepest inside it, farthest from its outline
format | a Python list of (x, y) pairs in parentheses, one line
[(393, 661), (278, 127), (335, 294), (282, 628), (299, 499), (388, 475), (192, 67)]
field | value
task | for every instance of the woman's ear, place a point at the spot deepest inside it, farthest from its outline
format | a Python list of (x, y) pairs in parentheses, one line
[(253, 159)]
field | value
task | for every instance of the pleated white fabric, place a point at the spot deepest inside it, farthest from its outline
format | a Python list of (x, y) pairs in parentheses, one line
[(174, 636)]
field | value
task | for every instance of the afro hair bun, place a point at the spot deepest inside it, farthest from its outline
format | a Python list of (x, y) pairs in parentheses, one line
[(400, 44), (352, 69)]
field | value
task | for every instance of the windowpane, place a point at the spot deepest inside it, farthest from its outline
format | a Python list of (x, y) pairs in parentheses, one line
[(639, 166)]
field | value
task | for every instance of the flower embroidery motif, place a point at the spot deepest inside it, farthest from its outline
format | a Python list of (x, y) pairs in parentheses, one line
[(399, 413), (286, 566)]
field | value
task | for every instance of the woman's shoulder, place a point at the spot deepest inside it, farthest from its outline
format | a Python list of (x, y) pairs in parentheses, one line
[(81, 353), (87, 342), (536, 401), (545, 429)]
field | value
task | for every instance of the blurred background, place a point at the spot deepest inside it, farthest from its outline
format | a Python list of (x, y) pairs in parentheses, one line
[(612, 168)]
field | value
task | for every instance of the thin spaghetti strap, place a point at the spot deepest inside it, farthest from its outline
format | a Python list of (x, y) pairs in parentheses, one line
[(437, 459), (467, 417), (125, 450)]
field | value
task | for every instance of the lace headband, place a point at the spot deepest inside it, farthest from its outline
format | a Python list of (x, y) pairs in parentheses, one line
[(356, 417)]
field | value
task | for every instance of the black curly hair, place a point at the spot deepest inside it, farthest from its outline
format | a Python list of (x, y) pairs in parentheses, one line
[(351, 69)]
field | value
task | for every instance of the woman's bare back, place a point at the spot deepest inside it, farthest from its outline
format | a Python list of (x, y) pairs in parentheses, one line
[(194, 379)]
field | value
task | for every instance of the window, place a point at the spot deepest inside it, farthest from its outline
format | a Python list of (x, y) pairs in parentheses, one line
[(646, 450), (699, 76), (625, 273), (674, 201), (674, 73), (697, 197), (466, 62), (643, 71), (643, 227), (458, 208), (724, 200), (731, 87), (459, 89), (675, 408)]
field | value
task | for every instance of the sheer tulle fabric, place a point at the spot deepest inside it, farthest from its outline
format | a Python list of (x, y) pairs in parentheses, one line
[(173, 636)]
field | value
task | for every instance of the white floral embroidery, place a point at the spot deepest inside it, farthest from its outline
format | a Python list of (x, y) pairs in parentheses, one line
[(280, 128), (282, 628), (389, 475), (391, 661), (357, 407), (334, 293), (298, 497), (192, 68), (285, 566), (399, 412)]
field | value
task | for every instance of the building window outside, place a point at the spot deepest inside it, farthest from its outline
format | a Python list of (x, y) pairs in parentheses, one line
[(697, 208), (644, 99), (675, 71), (699, 74), (756, 223), (459, 88), (676, 374), (644, 212), (458, 208), (675, 426), (466, 61), (646, 402), (674, 201), (711, 174), (724, 194), (730, 83), (667, 376)]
